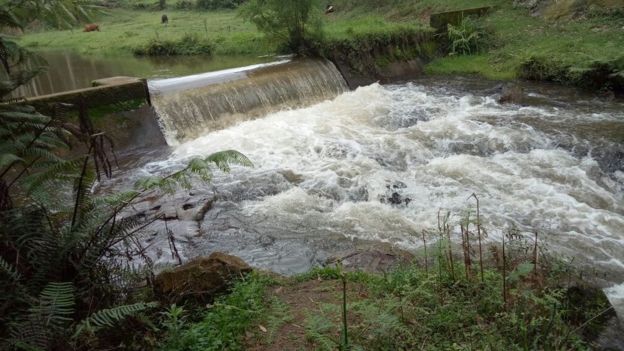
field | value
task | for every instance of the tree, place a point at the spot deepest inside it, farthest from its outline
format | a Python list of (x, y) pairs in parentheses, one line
[(295, 24)]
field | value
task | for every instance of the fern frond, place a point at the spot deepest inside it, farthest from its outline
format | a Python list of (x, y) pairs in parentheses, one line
[(107, 318), (10, 271), (56, 304), (223, 159), (62, 170)]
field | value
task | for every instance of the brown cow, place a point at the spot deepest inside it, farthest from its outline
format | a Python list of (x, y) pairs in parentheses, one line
[(91, 27)]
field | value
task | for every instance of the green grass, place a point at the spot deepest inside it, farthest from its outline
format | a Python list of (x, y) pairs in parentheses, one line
[(347, 27), (475, 64), (404, 309), (124, 30), (224, 323), (571, 44), (517, 37)]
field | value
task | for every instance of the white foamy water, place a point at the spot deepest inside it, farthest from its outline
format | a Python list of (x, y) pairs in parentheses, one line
[(434, 148)]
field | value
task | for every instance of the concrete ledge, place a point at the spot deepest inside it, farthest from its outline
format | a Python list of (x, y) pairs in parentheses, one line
[(118, 80), (108, 91), (439, 21)]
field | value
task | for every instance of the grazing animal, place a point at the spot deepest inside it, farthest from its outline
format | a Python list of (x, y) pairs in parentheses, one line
[(329, 9), (91, 27), (164, 19)]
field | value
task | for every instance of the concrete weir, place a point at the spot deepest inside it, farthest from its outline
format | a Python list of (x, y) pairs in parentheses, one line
[(104, 92)]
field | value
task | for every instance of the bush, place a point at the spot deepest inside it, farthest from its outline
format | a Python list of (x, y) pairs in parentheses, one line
[(467, 38), (189, 45), (184, 5), (217, 4), (295, 24), (223, 326)]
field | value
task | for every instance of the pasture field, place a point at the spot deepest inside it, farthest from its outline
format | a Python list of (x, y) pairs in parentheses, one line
[(560, 43)]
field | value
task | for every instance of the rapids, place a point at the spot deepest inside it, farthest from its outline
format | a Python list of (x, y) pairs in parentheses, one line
[(380, 162)]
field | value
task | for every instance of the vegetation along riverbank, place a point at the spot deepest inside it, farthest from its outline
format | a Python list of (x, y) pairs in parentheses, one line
[(79, 265), (571, 42)]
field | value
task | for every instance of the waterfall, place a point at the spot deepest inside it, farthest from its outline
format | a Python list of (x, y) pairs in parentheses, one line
[(190, 106)]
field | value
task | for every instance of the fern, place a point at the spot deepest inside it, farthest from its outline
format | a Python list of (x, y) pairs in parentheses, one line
[(8, 269), (56, 304), (197, 167), (46, 320), (109, 317)]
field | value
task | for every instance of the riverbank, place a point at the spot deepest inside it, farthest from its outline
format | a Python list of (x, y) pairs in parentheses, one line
[(580, 48), (415, 306), (533, 47), (123, 31)]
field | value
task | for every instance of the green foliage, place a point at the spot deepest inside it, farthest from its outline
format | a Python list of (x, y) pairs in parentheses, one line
[(55, 13), (197, 167), (223, 325), (293, 23), (174, 321), (596, 74), (218, 4), (410, 309), (466, 38), (187, 45), (64, 277), (109, 317), (124, 30), (365, 52), (327, 272)]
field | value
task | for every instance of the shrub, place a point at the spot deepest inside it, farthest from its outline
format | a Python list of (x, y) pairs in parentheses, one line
[(467, 38), (184, 5), (189, 45), (292, 23), (217, 4)]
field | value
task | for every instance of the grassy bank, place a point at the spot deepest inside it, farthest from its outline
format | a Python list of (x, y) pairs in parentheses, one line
[(406, 309), (125, 30), (559, 40), (520, 45), (519, 38)]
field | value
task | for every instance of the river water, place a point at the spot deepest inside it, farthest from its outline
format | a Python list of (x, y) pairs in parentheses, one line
[(379, 164), (70, 71)]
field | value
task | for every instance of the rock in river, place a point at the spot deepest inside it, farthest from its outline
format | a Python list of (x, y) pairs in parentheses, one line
[(200, 278)]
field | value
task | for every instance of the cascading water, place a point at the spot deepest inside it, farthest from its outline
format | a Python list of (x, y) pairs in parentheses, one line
[(379, 163), (188, 107)]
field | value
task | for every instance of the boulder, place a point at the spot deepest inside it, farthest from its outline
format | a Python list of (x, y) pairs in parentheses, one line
[(201, 278)]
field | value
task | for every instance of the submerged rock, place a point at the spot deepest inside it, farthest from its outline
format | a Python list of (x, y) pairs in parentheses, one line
[(393, 196), (200, 278), (511, 94)]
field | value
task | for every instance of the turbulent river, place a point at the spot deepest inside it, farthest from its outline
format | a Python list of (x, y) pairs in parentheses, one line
[(381, 162)]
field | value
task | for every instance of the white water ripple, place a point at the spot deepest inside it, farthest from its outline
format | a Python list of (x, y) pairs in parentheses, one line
[(436, 149)]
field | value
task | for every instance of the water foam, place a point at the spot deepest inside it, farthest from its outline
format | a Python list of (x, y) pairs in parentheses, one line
[(435, 149)]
